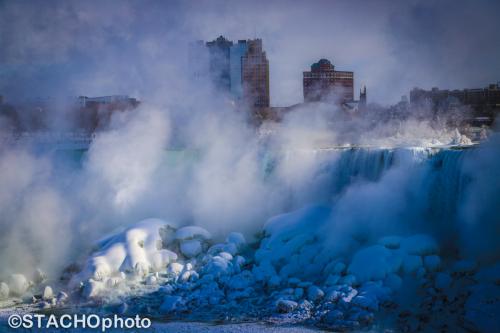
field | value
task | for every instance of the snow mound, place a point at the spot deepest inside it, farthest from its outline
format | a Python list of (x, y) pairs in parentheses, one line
[(138, 249), (192, 232), (374, 263), (422, 245)]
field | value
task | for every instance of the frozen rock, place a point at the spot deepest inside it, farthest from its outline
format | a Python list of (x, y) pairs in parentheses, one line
[(137, 249), (393, 281), (151, 280), (464, 267), (175, 268), (92, 288), (298, 293), (411, 263), (314, 294), (39, 276), (390, 242), (285, 306), (192, 232), (226, 256), (332, 280), (432, 263), (287, 234), (339, 268), (349, 295), (4, 291), (366, 302), (241, 281), (374, 263), (191, 248), (348, 279), (333, 316), (274, 281), (443, 281), (421, 245), (237, 239), (47, 294), (61, 297), (482, 308), (223, 247), (18, 284), (489, 274), (171, 303), (333, 295)]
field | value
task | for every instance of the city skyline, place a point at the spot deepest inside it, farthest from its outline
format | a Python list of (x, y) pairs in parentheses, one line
[(392, 47)]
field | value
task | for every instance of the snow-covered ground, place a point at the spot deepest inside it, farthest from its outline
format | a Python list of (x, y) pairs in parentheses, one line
[(291, 276)]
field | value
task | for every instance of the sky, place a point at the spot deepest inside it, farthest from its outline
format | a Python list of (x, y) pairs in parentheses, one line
[(138, 48)]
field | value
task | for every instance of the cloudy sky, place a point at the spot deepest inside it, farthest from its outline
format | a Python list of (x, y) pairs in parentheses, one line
[(137, 47)]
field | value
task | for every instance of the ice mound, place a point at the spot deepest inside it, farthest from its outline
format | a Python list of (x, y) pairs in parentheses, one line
[(290, 275), (139, 249)]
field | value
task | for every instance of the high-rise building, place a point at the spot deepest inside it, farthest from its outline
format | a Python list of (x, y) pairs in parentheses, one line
[(219, 60), (237, 52), (255, 75), (324, 83), (362, 98)]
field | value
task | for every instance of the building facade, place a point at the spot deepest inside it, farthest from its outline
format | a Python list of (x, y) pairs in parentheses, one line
[(482, 101), (255, 75), (219, 62), (324, 83), (237, 52)]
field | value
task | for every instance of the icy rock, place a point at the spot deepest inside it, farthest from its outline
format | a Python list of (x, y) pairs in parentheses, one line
[(366, 302), (274, 281), (264, 271), (18, 284), (171, 303), (223, 247), (333, 316), (489, 274), (348, 279), (411, 263), (192, 232), (349, 295), (285, 306), (175, 268), (314, 294), (443, 281), (151, 280), (61, 297), (239, 261), (333, 296), (188, 276), (92, 288), (4, 291), (422, 245), (332, 280), (237, 239), (241, 281), (137, 249), (226, 256), (218, 266), (191, 248), (293, 281), (482, 308), (39, 276), (390, 242), (339, 268), (393, 281), (464, 267), (432, 263), (298, 293), (47, 294), (374, 263), (287, 234)]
